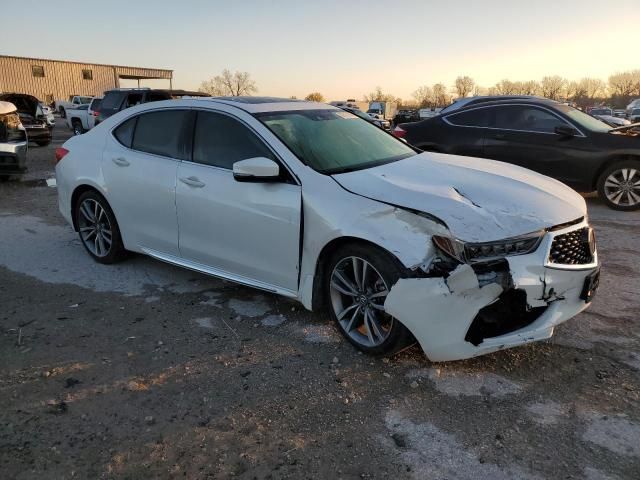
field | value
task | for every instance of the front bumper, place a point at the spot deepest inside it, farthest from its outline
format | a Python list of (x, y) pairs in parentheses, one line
[(13, 158), (451, 318)]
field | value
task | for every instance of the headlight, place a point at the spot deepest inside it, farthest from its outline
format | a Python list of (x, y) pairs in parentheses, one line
[(476, 252)]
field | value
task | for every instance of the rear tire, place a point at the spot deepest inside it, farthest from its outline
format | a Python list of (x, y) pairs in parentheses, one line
[(77, 127), (63, 113), (98, 228), (356, 281), (619, 185)]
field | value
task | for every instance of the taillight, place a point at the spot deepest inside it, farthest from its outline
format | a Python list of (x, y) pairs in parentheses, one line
[(60, 154), (95, 113), (399, 132)]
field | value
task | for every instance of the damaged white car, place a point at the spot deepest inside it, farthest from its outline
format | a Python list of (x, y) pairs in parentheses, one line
[(466, 256)]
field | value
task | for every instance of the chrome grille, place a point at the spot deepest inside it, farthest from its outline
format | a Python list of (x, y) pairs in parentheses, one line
[(573, 248)]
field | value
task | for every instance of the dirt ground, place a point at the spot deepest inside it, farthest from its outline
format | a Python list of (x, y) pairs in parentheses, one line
[(144, 370)]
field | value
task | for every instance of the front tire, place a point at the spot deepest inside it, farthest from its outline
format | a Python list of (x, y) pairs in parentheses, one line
[(98, 228), (357, 281), (63, 113), (619, 186)]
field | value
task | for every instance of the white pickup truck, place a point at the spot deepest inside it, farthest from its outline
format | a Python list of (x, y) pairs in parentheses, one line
[(82, 118), (74, 101)]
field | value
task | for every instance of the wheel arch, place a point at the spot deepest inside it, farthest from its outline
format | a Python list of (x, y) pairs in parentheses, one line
[(318, 300), (75, 196), (610, 162)]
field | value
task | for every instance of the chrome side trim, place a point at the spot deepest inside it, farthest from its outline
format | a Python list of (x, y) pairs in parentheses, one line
[(215, 272), (512, 129)]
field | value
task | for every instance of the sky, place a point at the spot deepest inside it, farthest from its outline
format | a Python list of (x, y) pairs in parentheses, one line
[(343, 49)]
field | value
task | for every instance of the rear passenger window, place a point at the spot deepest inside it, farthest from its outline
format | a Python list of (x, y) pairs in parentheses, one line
[(124, 133), (160, 133), (221, 141), (472, 118)]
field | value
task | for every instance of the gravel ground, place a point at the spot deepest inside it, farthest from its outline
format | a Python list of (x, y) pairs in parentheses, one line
[(144, 370)]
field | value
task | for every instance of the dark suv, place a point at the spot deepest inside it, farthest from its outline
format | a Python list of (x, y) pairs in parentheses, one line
[(121, 98)]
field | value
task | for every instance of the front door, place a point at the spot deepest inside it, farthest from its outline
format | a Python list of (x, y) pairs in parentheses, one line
[(525, 135), (250, 231)]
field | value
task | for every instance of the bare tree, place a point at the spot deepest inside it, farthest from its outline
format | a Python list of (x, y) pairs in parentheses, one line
[(440, 96), (553, 87), (424, 96), (229, 84), (464, 86), (505, 87), (315, 97), (592, 87), (379, 96), (625, 84)]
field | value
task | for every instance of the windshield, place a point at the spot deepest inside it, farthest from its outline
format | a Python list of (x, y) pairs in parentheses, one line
[(334, 141), (600, 111), (584, 120)]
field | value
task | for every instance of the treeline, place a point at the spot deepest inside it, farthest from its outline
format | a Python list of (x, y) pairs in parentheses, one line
[(617, 92)]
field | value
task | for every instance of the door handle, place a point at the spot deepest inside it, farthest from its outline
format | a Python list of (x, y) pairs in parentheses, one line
[(121, 162), (192, 182)]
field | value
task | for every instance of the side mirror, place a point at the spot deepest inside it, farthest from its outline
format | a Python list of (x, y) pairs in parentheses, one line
[(259, 169), (566, 131)]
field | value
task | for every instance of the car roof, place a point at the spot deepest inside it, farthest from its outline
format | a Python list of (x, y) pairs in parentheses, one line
[(267, 104), (545, 102)]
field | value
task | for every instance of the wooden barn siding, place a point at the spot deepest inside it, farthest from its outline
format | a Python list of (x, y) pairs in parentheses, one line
[(62, 79)]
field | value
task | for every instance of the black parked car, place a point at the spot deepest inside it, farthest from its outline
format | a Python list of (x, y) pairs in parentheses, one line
[(121, 98), (404, 116), (31, 116), (542, 135)]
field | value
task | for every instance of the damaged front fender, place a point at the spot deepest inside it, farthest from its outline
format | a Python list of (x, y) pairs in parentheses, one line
[(472, 311)]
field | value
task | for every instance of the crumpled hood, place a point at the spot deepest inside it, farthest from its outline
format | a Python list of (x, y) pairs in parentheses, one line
[(479, 200), (25, 104)]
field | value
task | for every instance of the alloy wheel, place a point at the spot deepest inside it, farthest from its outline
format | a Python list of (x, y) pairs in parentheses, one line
[(95, 229), (358, 292), (622, 187)]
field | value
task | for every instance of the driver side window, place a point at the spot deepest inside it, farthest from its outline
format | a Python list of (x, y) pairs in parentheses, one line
[(527, 118), (220, 141)]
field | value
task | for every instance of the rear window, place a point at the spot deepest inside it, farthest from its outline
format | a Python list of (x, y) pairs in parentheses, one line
[(124, 132), (95, 105), (159, 133), (471, 118), (112, 100)]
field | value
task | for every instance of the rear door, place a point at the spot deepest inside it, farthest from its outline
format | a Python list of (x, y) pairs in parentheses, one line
[(139, 165), (465, 132), (250, 231), (525, 135)]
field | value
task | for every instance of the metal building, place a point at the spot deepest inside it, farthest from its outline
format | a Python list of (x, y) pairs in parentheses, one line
[(51, 80)]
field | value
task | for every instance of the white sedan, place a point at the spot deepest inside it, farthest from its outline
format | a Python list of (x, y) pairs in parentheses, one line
[(302, 199)]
